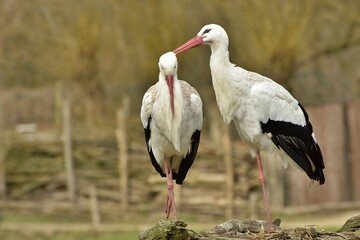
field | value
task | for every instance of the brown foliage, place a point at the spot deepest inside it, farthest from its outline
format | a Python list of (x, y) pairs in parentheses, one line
[(110, 47)]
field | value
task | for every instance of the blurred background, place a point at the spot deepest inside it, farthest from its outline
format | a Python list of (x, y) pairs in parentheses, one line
[(73, 160)]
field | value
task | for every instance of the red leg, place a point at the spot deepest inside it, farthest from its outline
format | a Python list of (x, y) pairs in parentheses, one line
[(172, 192), (262, 181), (170, 200), (167, 204)]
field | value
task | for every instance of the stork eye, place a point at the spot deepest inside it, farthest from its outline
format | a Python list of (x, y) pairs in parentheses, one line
[(206, 31)]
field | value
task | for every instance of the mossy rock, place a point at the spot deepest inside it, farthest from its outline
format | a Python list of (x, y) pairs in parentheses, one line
[(351, 225), (167, 229)]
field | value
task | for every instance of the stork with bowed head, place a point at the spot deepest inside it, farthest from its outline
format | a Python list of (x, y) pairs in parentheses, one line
[(172, 116), (267, 117)]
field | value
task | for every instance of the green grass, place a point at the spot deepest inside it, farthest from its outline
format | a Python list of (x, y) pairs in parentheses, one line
[(42, 218), (69, 236), (196, 223), (27, 217)]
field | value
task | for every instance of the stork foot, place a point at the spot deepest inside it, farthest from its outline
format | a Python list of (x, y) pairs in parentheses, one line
[(170, 201)]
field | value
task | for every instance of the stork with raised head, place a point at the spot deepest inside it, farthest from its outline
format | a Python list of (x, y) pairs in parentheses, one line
[(172, 116), (267, 117)]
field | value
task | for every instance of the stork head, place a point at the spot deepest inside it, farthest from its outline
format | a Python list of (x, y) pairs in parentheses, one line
[(211, 34), (168, 70)]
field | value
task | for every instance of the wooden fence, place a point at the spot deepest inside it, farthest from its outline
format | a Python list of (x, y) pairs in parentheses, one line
[(135, 186), (111, 173)]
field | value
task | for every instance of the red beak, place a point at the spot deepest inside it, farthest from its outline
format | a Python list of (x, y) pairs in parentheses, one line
[(170, 83), (194, 42)]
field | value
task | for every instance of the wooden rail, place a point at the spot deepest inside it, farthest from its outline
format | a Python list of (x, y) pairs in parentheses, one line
[(222, 182)]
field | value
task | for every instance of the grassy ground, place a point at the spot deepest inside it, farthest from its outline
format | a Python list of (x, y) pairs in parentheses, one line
[(12, 235), (26, 226)]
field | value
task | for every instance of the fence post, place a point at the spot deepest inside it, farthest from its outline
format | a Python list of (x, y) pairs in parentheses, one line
[(347, 153), (58, 101), (69, 165), (94, 206), (3, 151), (229, 171), (215, 124), (275, 181), (123, 157), (353, 112), (178, 197), (253, 206)]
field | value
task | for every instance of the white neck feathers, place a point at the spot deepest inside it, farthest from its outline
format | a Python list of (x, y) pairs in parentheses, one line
[(170, 124)]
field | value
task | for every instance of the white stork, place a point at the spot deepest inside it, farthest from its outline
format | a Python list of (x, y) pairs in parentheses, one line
[(267, 117), (172, 116)]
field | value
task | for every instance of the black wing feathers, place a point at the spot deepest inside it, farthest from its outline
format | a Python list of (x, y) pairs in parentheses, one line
[(316, 152), (189, 158), (299, 144), (152, 157)]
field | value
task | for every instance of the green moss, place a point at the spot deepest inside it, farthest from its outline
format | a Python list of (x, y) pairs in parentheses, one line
[(166, 229)]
